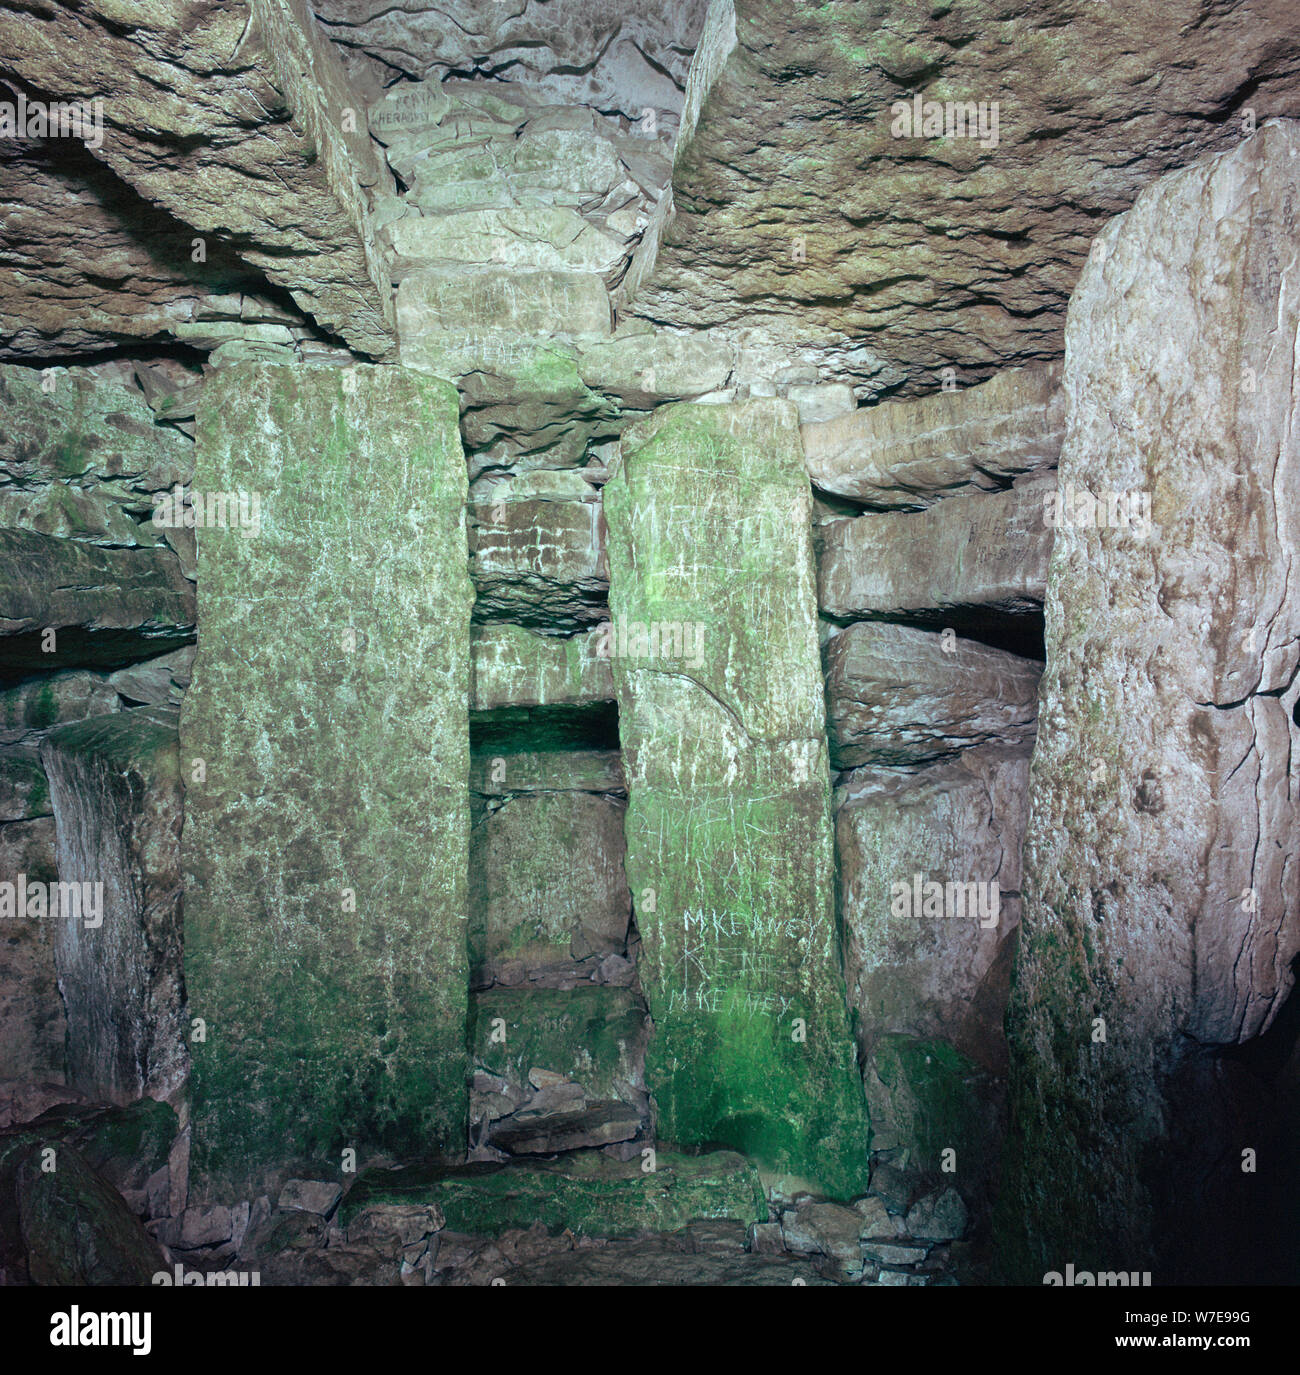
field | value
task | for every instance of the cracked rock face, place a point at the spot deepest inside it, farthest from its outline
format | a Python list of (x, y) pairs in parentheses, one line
[(592, 52), (88, 262), (230, 115), (901, 696), (1159, 862), (798, 210)]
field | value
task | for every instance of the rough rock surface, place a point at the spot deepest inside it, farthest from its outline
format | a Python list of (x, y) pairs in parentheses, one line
[(539, 563), (66, 1226), (901, 696), (988, 550), (105, 606), (116, 790), (32, 707), (84, 457), (326, 844), (730, 856), (920, 961), (543, 1052), (64, 210), (912, 453), (947, 252), (32, 1023), (546, 884), (24, 792), (231, 117), (590, 52), (1160, 894)]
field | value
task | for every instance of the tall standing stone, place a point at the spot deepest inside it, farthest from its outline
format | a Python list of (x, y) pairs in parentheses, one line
[(730, 860), (1161, 912), (325, 751)]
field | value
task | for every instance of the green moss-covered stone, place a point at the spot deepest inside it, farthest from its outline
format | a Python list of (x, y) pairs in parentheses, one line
[(593, 1036), (514, 666), (590, 1193), (547, 882), (75, 1229), (729, 839), (927, 1098), (326, 836)]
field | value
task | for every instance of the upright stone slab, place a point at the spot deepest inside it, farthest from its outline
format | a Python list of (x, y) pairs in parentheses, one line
[(1161, 913), (729, 858), (116, 795), (326, 835)]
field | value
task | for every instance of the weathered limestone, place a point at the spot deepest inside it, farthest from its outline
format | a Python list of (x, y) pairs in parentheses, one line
[(547, 887), (116, 791), (81, 452), (326, 837), (926, 961), (234, 121), (959, 247), (105, 606), (509, 342), (32, 1024), (63, 210), (514, 667), (911, 453), (155, 682), (1161, 911), (901, 696), (988, 550), (539, 563), (644, 368), (729, 841), (595, 52)]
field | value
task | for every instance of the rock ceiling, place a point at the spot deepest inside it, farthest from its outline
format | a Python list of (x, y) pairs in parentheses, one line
[(797, 210), (800, 212)]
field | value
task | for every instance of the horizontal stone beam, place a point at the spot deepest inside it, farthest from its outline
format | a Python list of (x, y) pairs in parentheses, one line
[(989, 550), (911, 453), (901, 696), (104, 606), (513, 667)]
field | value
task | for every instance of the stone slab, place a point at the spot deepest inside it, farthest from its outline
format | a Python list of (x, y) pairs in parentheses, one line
[(326, 845), (729, 838)]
